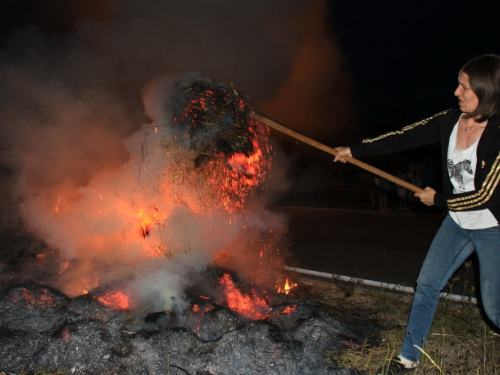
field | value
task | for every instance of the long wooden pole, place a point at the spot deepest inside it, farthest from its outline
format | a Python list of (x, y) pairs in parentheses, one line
[(275, 125)]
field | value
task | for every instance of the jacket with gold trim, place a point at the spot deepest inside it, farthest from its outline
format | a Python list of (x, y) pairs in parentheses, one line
[(438, 128)]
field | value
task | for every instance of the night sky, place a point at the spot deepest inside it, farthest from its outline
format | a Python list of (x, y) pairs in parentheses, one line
[(393, 63), (404, 55)]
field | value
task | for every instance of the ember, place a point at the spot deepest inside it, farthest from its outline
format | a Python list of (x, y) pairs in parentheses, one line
[(232, 146), (213, 117), (146, 223), (184, 197), (289, 309), (42, 299), (135, 240), (251, 307), (286, 288), (115, 300), (82, 336)]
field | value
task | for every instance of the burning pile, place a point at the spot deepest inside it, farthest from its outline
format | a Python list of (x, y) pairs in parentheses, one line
[(182, 201), (164, 265), (214, 117), (43, 329), (232, 149)]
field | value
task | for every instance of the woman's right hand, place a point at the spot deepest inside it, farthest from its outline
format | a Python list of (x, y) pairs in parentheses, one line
[(427, 196), (341, 152)]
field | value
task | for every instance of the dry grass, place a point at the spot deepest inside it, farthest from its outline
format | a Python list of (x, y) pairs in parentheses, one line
[(460, 341)]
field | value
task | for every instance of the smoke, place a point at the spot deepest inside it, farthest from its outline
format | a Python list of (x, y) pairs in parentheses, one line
[(316, 99), (75, 127), (153, 223)]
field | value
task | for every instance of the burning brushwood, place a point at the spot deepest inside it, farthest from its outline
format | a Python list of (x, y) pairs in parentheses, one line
[(44, 329), (214, 118), (217, 120), (183, 194), (231, 149)]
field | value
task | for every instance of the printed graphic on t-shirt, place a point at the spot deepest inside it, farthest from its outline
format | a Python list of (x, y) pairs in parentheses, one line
[(457, 171)]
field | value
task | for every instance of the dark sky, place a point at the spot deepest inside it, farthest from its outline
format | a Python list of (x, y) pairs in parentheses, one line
[(404, 55)]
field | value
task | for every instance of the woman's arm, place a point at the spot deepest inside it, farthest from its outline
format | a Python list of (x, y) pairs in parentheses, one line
[(421, 133)]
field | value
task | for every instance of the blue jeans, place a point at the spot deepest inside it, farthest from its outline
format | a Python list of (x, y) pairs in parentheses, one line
[(451, 246)]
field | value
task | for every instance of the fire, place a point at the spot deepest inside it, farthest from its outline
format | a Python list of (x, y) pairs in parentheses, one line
[(234, 178), (146, 222), (233, 148), (115, 300), (289, 309), (63, 268), (66, 334), (42, 299), (191, 172), (251, 307), (56, 208), (197, 309), (286, 288)]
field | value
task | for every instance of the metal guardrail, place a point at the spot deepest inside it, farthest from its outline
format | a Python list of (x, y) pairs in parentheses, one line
[(377, 284)]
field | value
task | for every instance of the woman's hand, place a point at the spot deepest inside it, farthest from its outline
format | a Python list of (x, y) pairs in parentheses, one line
[(342, 151), (427, 196)]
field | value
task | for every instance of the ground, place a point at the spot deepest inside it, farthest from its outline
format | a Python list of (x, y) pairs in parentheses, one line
[(460, 342)]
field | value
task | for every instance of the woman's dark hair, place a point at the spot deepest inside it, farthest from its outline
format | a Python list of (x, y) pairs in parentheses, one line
[(484, 79)]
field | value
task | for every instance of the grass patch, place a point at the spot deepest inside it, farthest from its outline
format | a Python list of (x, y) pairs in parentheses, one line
[(460, 342)]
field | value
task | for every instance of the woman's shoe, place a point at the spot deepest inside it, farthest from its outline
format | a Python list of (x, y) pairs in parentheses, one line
[(395, 368)]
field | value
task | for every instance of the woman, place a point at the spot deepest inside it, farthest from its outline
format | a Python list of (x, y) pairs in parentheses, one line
[(470, 142)]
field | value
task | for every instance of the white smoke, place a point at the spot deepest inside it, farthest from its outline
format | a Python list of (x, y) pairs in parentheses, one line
[(73, 134), (97, 228)]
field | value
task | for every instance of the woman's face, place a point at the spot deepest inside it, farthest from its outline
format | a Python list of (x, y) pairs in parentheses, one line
[(467, 99)]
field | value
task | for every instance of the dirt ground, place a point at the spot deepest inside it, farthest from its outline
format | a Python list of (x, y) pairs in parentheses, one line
[(460, 342)]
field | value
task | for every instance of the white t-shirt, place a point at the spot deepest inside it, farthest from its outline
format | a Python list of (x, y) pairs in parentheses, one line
[(461, 170)]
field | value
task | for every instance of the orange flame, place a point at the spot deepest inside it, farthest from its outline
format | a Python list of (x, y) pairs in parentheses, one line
[(234, 178), (56, 208), (64, 266), (231, 180), (251, 307), (146, 222), (286, 288), (41, 299), (289, 309), (115, 300)]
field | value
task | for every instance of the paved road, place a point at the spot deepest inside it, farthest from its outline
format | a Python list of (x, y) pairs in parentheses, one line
[(386, 247)]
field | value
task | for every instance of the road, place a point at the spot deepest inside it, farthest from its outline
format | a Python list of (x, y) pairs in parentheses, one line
[(386, 247)]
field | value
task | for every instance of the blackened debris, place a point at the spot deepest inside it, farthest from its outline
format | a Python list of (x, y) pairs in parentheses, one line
[(214, 117), (43, 329)]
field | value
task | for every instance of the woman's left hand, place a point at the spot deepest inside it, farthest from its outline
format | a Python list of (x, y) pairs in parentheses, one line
[(427, 196)]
